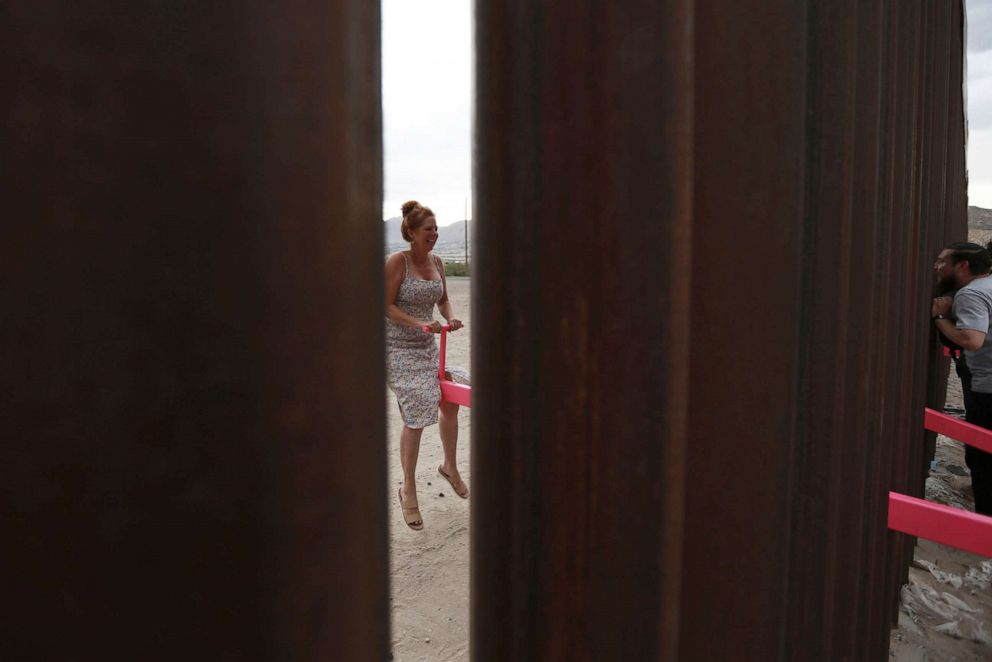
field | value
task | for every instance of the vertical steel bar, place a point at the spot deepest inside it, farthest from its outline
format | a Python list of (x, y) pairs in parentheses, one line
[(747, 261), (190, 326), (940, 65), (865, 324), (582, 193), (903, 428), (861, 237), (822, 521)]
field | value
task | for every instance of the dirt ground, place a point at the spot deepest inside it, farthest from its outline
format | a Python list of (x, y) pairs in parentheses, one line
[(430, 567)]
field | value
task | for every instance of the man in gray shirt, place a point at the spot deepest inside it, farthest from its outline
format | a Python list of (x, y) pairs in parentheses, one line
[(968, 322)]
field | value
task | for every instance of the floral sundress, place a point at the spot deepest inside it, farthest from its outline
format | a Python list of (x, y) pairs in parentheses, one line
[(412, 354)]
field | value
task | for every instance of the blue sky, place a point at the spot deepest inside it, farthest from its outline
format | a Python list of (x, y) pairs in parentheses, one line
[(427, 104)]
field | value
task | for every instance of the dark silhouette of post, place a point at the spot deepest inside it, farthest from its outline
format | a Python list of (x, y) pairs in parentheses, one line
[(827, 167), (581, 277), (193, 461), (829, 170)]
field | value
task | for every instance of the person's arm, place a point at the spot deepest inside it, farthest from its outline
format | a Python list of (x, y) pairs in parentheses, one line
[(971, 316), (967, 338), (444, 305), (394, 278)]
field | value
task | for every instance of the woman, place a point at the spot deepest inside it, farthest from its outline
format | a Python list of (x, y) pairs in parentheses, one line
[(415, 283)]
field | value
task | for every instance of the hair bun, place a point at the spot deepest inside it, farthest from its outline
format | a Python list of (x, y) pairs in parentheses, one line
[(414, 215)]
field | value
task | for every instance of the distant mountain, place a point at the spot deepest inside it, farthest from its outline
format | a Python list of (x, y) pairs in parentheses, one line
[(454, 233), (391, 226), (979, 219)]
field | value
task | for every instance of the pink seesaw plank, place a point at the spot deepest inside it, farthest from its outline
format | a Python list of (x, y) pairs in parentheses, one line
[(444, 351), (458, 394), (948, 526), (957, 429)]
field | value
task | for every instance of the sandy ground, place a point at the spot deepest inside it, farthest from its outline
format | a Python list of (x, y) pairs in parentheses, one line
[(946, 610), (430, 567)]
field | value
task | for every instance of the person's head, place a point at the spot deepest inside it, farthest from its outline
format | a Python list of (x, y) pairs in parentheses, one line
[(419, 225), (960, 263)]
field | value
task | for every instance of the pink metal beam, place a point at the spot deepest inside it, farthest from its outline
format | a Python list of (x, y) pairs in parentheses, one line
[(949, 526), (957, 429), (444, 351), (458, 394)]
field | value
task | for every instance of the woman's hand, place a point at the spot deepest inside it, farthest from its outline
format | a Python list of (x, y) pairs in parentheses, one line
[(431, 327), (455, 323)]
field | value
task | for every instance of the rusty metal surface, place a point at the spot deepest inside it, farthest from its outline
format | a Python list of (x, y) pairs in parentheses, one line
[(748, 260), (702, 347), (190, 193), (827, 171), (876, 187), (583, 148)]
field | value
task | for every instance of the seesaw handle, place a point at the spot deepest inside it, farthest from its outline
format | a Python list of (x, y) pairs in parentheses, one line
[(443, 349)]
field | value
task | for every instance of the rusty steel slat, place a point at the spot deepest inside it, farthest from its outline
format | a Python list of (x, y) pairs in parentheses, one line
[(582, 194), (880, 438), (824, 525), (896, 451), (871, 609), (911, 301), (747, 257), (191, 319), (955, 181), (941, 51), (940, 66), (893, 213), (863, 339), (928, 83), (883, 435)]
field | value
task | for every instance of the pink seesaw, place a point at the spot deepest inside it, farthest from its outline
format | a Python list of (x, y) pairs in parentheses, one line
[(458, 394), (955, 428), (950, 526), (944, 524)]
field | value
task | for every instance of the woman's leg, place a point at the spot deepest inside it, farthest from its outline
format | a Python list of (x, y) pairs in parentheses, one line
[(448, 427), (409, 451)]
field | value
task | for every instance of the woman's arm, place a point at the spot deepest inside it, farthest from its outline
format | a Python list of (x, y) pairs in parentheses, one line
[(444, 305), (394, 278)]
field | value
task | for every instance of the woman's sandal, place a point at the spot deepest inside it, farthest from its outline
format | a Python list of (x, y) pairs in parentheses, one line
[(463, 493), (413, 519)]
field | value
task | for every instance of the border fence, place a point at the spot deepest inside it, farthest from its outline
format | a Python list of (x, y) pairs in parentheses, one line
[(701, 340)]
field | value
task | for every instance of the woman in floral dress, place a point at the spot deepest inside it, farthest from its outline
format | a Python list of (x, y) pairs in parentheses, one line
[(415, 283)]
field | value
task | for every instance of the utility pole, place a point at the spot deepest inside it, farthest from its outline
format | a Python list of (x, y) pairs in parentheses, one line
[(466, 237)]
